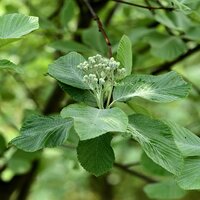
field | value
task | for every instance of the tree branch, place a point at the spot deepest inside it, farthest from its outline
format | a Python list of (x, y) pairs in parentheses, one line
[(100, 26), (135, 173), (145, 7)]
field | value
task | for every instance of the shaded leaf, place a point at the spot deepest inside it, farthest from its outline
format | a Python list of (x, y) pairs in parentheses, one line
[(96, 155), (6, 64), (164, 190)]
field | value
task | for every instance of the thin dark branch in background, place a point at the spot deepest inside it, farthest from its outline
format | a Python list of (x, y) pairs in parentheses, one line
[(27, 89), (167, 66), (149, 5), (132, 164), (145, 7), (110, 14), (134, 173), (100, 26)]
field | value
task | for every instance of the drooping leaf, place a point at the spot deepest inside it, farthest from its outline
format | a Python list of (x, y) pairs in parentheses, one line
[(65, 70), (79, 95), (164, 190), (38, 132), (187, 142), (190, 174), (6, 64), (14, 26), (96, 155), (92, 122), (157, 141), (124, 54), (162, 88)]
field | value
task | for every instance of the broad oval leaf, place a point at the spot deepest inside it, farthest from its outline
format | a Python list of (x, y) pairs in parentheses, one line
[(187, 142), (190, 174), (96, 155), (164, 190), (92, 122), (38, 132), (162, 88), (124, 54), (14, 26), (157, 141), (65, 70)]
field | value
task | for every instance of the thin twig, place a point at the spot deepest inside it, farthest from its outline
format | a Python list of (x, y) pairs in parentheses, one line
[(100, 26), (135, 173), (145, 7)]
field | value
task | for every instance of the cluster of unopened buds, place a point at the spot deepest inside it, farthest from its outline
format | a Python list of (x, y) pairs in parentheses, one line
[(101, 72)]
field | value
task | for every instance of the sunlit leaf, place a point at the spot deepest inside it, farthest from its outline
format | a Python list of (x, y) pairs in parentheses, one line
[(92, 122), (38, 132)]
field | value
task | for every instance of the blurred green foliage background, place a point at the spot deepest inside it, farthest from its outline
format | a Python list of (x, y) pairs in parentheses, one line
[(54, 174)]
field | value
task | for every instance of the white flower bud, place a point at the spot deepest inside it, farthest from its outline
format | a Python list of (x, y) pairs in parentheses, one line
[(101, 81)]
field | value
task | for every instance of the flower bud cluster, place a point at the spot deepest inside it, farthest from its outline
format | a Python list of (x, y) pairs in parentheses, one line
[(99, 71)]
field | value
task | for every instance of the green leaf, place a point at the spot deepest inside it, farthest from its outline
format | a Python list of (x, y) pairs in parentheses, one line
[(165, 46), (67, 46), (65, 70), (14, 26), (162, 88), (21, 161), (79, 95), (164, 190), (96, 155), (187, 142), (157, 141), (190, 174), (91, 122), (38, 132), (94, 39), (124, 54), (6, 64), (2, 144), (152, 167), (67, 12)]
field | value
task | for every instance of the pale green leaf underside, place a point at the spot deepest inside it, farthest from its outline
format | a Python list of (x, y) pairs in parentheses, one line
[(190, 174), (91, 122), (164, 190), (65, 70), (14, 26), (38, 132), (187, 142), (124, 54), (96, 155), (157, 141), (162, 88)]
